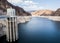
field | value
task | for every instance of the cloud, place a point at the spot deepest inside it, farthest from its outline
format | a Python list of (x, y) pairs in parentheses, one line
[(31, 5), (15, 1), (26, 4), (29, 2)]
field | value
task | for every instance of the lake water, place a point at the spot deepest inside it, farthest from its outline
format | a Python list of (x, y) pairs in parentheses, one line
[(39, 30)]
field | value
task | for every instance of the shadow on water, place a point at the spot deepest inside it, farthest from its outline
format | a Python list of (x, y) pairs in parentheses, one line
[(3, 39)]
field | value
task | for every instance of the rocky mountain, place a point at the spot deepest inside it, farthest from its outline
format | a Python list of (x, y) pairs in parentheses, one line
[(43, 13), (4, 4), (57, 12)]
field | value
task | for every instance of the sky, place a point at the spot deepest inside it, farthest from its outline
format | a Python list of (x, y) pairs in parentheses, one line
[(31, 5)]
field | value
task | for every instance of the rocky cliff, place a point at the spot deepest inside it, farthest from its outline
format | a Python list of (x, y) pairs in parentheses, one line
[(57, 12), (4, 4), (43, 13), (46, 13)]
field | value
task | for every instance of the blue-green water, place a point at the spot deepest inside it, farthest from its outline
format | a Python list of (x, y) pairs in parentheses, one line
[(39, 30)]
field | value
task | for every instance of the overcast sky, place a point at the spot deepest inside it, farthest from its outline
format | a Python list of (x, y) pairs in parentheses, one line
[(30, 5)]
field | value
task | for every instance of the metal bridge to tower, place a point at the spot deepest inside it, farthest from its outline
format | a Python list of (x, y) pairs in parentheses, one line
[(12, 27)]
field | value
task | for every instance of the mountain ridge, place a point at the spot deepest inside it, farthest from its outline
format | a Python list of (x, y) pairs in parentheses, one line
[(4, 4), (46, 12)]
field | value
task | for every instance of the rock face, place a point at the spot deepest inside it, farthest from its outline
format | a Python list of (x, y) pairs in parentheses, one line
[(4, 4), (1, 30), (43, 13), (57, 12)]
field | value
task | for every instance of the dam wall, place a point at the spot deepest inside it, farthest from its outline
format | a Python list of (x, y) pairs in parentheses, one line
[(2, 27)]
